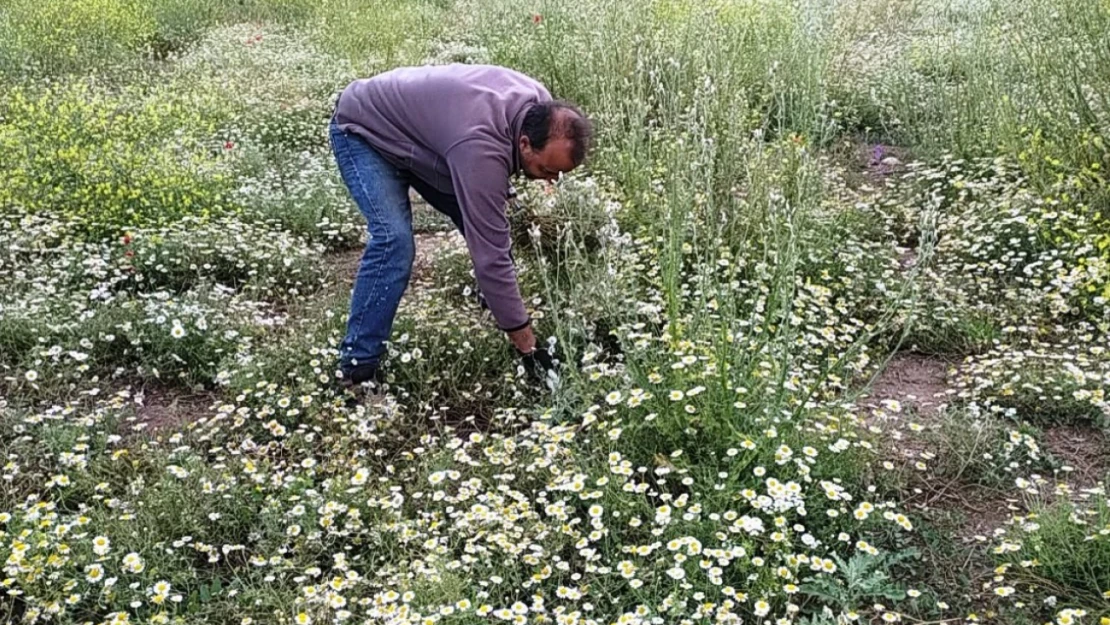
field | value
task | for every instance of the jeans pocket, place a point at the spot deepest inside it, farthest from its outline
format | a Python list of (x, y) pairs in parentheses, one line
[(335, 135)]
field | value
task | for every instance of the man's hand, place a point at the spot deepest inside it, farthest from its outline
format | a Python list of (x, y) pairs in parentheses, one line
[(524, 340)]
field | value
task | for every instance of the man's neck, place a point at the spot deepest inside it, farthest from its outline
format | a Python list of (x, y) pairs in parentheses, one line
[(517, 129)]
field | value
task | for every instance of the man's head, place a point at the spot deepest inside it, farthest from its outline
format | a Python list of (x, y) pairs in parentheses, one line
[(554, 139)]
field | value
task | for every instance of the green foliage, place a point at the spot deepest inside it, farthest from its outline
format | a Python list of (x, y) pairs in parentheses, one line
[(376, 35), (70, 35), (190, 575), (73, 36), (152, 336), (190, 253), (866, 579), (107, 160), (1061, 549), (986, 451), (716, 284)]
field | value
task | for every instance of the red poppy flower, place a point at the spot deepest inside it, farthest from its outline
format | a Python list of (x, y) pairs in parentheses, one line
[(228, 145), (537, 18), (127, 239)]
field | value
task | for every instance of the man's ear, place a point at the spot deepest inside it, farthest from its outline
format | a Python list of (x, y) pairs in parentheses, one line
[(525, 143)]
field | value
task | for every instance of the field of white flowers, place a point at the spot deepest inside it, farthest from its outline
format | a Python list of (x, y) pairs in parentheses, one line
[(831, 304)]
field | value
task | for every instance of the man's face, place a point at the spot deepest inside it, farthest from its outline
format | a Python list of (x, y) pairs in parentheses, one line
[(555, 158)]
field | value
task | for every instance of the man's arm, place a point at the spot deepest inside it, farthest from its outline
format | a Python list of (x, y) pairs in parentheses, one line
[(479, 176)]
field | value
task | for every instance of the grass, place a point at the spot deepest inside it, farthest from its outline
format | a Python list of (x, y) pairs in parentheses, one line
[(1060, 547), (717, 285)]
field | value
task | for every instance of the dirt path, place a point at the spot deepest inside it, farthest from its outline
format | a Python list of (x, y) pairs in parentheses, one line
[(913, 389), (914, 381), (909, 402)]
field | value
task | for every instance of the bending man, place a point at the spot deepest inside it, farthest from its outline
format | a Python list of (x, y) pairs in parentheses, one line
[(456, 134)]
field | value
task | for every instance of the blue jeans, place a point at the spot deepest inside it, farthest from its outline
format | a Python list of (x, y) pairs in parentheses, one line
[(381, 192)]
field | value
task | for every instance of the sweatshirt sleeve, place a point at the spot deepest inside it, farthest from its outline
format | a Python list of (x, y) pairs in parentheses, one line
[(480, 177)]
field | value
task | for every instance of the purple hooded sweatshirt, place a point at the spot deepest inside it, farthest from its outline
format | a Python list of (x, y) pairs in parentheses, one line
[(456, 127)]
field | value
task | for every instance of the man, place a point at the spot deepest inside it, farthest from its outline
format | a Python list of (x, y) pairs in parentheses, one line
[(456, 134)]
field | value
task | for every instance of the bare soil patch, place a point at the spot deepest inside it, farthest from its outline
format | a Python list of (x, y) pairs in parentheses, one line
[(160, 409), (918, 383), (1085, 452), (915, 381), (979, 509), (984, 509), (912, 389)]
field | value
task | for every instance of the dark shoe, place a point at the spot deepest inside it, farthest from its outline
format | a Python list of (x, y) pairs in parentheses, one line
[(362, 373), (361, 382)]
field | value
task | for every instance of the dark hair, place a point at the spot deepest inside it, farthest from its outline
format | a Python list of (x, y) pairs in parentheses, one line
[(561, 120)]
